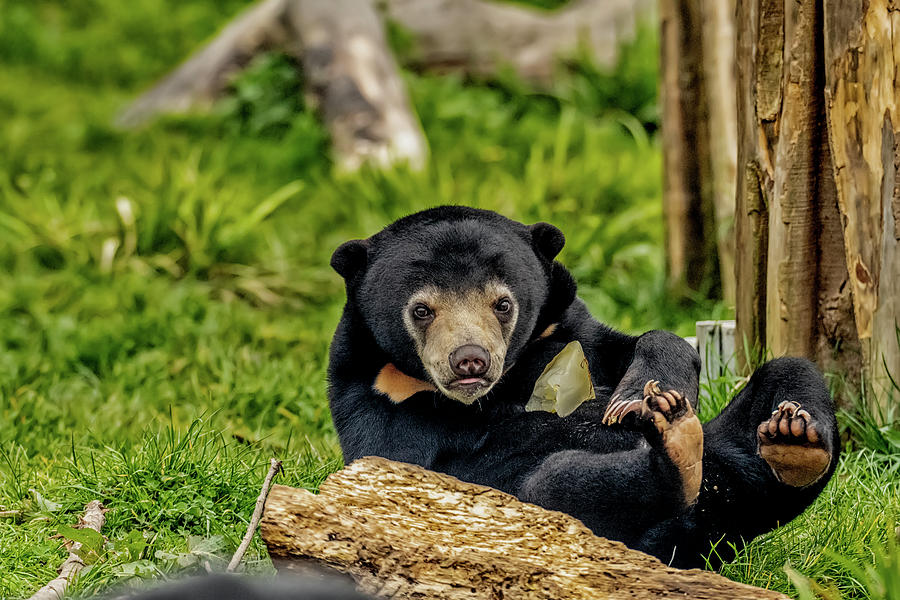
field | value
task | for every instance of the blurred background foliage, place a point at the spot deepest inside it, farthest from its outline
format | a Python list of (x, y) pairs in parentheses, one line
[(166, 302)]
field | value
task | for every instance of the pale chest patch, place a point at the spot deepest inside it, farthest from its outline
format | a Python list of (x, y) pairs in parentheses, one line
[(398, 386)]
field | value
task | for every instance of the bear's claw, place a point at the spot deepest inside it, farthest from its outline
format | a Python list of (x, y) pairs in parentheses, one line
[(618, 408), (671, 404), (790, 443)]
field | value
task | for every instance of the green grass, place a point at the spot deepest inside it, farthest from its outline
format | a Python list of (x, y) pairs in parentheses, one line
[(166, 302)]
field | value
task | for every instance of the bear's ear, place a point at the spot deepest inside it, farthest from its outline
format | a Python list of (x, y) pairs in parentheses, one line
[(547, 239), (350, 258)]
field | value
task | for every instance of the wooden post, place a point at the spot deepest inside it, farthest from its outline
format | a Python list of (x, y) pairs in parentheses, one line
[(718, 33)]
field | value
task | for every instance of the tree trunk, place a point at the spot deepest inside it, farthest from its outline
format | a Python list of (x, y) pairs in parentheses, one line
[(688, 191), (818, 191), (403, 532), (717, 31), (862, 89)]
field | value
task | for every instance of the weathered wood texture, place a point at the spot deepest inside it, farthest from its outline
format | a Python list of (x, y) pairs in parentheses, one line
[(792, 292), (699, 132), (404, 532), (862, 89)]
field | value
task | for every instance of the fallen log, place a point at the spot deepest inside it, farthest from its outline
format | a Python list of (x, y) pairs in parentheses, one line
[(349, 71), (204, 77), (479, 38), (404, 532), (350, 74), (352, 79)]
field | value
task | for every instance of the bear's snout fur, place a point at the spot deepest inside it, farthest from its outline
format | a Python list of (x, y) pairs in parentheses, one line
[(441, 322)]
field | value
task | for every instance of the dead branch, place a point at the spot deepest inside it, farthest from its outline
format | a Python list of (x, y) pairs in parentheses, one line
[(274, 467), (205, 75), (93, 518), (404, 532), (353, 80)]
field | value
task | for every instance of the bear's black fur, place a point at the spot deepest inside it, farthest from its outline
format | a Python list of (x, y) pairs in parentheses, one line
[(617, 479)]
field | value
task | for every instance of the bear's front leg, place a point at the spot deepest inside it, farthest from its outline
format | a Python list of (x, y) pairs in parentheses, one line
[(658, 356)]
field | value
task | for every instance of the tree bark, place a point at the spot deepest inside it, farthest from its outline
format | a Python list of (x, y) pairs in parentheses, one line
[(403, 532), (792, 279), (862, 89)]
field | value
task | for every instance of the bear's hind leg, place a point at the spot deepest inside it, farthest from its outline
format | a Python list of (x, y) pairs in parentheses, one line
[(620, 495), (781, 423), (766, 458)]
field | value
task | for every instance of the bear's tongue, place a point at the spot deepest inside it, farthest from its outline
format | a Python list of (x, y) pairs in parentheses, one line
[(469, 380)]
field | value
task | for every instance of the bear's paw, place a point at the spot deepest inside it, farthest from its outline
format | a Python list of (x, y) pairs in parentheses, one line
[(789, 441)]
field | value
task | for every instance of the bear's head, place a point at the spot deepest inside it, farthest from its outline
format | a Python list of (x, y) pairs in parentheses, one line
[(453, 295)]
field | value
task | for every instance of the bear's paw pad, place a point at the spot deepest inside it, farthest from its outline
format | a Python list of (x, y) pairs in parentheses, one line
[(790, 442), (680, 432)]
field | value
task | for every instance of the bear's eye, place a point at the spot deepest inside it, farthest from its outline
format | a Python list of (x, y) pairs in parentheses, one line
[(503, 306), (421, 312)]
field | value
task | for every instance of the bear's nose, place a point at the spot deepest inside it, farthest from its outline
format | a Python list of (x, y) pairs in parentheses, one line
[(470, 361)]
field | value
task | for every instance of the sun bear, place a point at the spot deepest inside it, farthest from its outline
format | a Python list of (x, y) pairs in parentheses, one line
[(452, 315)]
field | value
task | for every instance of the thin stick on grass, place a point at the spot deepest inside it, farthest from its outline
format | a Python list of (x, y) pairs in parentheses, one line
[(93, 519), (274, 467)]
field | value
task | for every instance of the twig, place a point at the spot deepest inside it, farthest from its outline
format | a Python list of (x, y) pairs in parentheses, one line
[(274, 467), (9, 513), (93, 519)]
